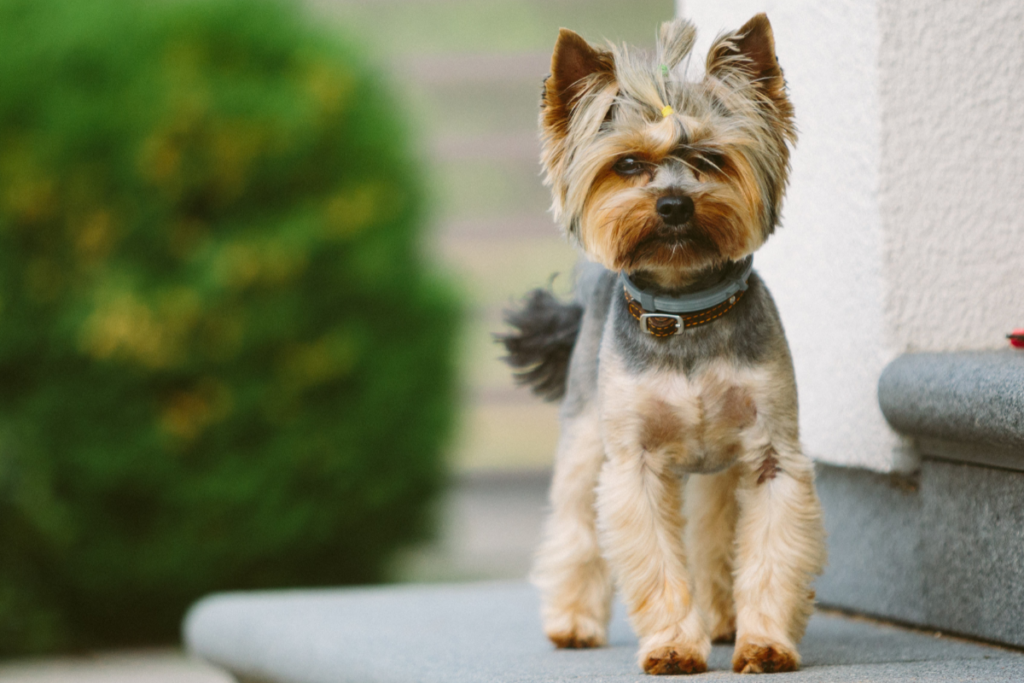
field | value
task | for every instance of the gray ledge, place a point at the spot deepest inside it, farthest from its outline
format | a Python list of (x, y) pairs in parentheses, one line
[(962, 405), (491, 633), (942, 550)]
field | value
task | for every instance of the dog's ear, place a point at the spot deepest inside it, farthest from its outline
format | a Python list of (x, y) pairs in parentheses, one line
[(748, 53), (746, 59), (576, 69)]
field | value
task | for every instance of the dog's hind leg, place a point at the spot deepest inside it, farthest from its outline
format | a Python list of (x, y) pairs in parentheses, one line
[(711, 511), (569, 570)]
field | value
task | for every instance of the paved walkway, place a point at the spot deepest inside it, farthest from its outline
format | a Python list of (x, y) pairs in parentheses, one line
[(153, 666), (489, 528)]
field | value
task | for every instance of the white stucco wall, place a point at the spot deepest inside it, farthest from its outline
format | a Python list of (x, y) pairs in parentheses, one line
[(952, 181), (905, 215)]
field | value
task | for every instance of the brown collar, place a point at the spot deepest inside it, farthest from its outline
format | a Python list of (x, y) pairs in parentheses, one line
[(668, 324)]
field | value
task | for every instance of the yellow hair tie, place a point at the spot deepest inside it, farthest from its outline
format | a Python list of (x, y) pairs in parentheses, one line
[(666, 110)]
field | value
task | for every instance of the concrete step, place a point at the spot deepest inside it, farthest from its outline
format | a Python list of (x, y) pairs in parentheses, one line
[(486, 188), (534, 224), (496, 108), (516, 146), (503, 436), (475, 66), (474, 69), (497, 271), (489, 525), (491, 632)]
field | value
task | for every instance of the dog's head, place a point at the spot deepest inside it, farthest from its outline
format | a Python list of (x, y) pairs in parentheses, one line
[(651, 171)]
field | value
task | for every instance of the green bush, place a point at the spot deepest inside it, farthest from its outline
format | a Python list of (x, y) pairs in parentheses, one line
[(223, 362)]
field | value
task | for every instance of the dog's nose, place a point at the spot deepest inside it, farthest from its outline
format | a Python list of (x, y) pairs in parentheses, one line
[(675, 210)]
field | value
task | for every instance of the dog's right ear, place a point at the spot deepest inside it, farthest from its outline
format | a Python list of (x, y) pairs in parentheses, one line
[(576, 69)]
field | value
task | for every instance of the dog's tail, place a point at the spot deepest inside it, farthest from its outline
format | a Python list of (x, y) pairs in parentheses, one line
[(540, 346)]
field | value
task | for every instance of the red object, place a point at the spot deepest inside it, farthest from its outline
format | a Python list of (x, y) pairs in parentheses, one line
[(1016, 338)]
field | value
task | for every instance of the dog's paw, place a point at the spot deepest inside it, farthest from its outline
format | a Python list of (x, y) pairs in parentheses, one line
[(572, 641), (764, 658), (575, 632), (674, 659)]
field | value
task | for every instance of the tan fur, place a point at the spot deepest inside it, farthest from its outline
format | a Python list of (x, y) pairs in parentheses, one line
[(711, 510), (689, 488), (655, 429), (626, 86), (570, 570), (764, 659)]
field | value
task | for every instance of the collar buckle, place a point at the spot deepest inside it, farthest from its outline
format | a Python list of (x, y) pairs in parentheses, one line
[(661, 324)]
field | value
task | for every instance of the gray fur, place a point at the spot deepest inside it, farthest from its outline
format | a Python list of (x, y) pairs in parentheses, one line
[(539, 349), (750, 334), (594, 290)]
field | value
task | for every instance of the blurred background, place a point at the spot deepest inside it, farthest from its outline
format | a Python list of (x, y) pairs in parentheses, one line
[(251, 258), (470, 73), (468, 78)]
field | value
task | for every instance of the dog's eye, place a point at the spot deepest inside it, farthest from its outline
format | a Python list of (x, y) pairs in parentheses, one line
[(628, 166)]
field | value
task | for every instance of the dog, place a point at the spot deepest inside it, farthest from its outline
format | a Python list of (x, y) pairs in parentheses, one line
[(679, 472)]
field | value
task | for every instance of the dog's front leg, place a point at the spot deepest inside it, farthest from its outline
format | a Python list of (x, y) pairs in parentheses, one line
[(641, 523), (780, 548)]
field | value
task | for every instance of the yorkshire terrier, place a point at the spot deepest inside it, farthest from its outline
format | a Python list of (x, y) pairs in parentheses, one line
[(679, 471)]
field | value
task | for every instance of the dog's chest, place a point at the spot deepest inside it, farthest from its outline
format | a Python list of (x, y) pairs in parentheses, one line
[(696, 422)]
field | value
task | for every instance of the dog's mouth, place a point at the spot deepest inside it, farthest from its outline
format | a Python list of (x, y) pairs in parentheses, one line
[(668, 243)]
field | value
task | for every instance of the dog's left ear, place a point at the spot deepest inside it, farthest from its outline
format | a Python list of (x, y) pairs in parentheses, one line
[(747, 57)]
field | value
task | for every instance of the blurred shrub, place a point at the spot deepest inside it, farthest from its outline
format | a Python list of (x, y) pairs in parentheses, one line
[(222, 363)]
